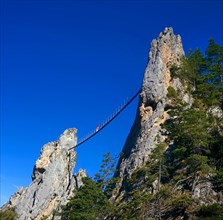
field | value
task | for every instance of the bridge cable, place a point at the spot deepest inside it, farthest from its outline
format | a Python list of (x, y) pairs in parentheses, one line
[(106, 123)]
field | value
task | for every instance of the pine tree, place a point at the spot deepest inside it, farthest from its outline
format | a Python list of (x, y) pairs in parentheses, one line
[(88, 203), (105, 174)]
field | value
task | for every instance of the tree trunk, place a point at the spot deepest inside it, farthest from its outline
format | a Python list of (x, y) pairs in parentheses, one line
[(159, 181)]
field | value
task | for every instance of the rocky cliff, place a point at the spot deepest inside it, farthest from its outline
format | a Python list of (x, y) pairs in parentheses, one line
[(140, 191), (52, 181), (165, 51)]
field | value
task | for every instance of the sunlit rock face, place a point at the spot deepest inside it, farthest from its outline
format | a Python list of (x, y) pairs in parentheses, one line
[(52, 180), (165, 51)]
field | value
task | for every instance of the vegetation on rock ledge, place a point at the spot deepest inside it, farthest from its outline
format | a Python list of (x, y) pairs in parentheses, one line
[(8, 215)]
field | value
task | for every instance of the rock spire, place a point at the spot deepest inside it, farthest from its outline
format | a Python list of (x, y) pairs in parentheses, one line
[(52, 181), (151, 113)]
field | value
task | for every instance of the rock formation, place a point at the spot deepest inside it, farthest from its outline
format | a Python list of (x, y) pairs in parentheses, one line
[(153, 103), (52, 181)]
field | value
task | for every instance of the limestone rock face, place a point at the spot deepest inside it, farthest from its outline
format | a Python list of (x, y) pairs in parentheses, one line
[(203, 191), (52, 183), (216, 111), (165, 51)]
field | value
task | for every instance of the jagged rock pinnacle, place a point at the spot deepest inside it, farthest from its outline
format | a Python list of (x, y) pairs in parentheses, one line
[(165, 51), (53, 181)]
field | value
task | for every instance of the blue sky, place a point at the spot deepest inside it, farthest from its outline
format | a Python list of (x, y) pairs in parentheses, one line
[(71, 63)]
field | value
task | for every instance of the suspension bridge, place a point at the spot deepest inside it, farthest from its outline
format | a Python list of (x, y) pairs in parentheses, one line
[(107, 121)]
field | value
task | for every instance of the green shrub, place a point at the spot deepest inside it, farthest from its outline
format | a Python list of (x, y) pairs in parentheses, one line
[(171, 92), (214, 212), (8, 215), (174, 71)]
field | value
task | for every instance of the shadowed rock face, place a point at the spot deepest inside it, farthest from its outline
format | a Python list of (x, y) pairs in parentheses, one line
[(52, 180), (142, 139)]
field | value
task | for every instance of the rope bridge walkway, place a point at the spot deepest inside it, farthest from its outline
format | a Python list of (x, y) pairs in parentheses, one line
[(107, 121)]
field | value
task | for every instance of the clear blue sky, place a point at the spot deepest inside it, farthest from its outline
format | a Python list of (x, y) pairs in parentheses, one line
[(70, 63)]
